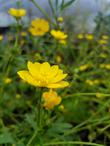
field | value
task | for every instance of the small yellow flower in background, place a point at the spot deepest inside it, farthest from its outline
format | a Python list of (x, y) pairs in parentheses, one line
[(103, 55), (80, 36), (43, 75), (62, 108), (99, 95), (39, 27), (107, 66), (89, 36), (22, 42), (58, 58), (18, 13), (23, 33), (60, 19), (63, 42), (7, 80), (90, 82), (84, 67), (1, 37), (102, 65), (93, 82), (96, 81), (51, 99), (18, 96), (102, 42), (59, 35), (105, 37)]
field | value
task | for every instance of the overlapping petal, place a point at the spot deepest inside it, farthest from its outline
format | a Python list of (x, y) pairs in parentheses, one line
[(44, 75)]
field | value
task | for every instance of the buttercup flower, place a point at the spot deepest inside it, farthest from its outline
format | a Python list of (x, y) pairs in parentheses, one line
[(102, 42), (89, 36), (1, 37), (51, 99), (80, 36), (18, 13), (39, 27), (59, 35), (7, 80), (105, 37), (60, 19), (99, 95), (84, 67), (43, 75)]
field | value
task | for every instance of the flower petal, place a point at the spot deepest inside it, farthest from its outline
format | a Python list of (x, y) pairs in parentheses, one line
[(45, 67), (26, 76), (34, 69), (61, 84), (60, 76)]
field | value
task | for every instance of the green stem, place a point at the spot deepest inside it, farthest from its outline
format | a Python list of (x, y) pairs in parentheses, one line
[(32, 138), (39, 112), (72, 142), (42, 11), (38, 121)]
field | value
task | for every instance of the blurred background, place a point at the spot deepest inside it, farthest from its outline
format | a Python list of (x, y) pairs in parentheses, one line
[(82, 13)]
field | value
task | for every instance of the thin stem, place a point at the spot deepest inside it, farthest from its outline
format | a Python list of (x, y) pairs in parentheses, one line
[(39, 111), (38, 121), (32, 138), (72, 142), (42, 11)]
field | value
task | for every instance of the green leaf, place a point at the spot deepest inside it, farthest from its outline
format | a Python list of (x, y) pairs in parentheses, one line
[(65, 5), (6, 138)]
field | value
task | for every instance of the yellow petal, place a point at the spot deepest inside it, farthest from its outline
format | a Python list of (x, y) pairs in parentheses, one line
[(61, 84), (45, 67), (53, 71), (60, 76), (34, 69), (26, 76)]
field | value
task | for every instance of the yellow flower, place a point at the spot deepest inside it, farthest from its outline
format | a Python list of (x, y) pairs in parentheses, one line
[(39, 27), (59, 35), (102, 65), (106, 37), (7, 80), (99, 95), (103, 55), (51, 99), (89, 36), (90, 82), (1, 37), (18, 13), (43, 75), (60, 19), (23, 33), (107, 66), (18, 96), (58, 58), (62, 42), (84, 67), (96, 81), (61, 107), (102, 42), (80, 36)]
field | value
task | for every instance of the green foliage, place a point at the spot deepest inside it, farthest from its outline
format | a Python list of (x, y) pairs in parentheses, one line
[(83, 116)]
